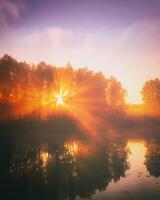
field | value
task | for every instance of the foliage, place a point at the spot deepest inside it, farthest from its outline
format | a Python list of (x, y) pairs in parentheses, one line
[(151, 95), (25, 88)]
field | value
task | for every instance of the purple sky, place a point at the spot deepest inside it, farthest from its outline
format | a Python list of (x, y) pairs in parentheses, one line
[(118, 37)]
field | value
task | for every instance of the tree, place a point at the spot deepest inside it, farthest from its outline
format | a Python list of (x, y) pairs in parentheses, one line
[(29, 88), (152, 158), (115, 94), (151, 96)]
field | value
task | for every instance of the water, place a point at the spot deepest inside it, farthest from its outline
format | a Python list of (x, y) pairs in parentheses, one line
[(78, 167), (141, 180)]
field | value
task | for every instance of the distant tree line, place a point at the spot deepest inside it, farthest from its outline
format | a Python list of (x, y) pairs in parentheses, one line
[(151, 96), (25, 88), (33, 86)]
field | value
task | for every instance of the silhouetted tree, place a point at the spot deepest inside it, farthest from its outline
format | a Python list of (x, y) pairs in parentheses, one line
[(152, 158), (151, 96), (115, 94), (29, 88)]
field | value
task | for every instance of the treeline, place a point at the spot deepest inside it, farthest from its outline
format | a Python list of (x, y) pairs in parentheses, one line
[(151, 96), (26, 88), (31, 87)]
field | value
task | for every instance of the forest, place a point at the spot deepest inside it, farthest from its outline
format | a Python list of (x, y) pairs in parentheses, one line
[(43, 91)]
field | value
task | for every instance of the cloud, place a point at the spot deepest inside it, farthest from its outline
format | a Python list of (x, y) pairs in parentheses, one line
[(141, 40), (136, 47), (58, 46), (10, 11)]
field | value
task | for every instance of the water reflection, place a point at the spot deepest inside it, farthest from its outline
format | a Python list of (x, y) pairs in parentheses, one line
[(137, 184), (78, 168), (152, 158), (64, 170)]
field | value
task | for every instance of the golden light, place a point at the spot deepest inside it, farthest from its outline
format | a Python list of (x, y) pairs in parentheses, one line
[(76, 148), (45, 158), (65, 95), (72, 147), (59, 100), (137, 153)]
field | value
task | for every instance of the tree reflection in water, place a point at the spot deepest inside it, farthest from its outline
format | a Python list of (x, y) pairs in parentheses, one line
[(64, 170), (152, 158)]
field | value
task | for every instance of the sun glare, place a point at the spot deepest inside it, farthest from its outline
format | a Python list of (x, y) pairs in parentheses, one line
[(60, 100)]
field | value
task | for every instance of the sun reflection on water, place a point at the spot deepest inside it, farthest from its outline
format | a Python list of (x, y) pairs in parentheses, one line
[(137, 154), (45, 158), (72, 147)]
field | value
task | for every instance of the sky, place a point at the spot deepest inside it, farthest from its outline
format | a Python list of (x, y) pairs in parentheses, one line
[(121, 38)]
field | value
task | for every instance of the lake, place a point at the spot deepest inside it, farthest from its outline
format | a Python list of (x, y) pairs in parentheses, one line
[(71, 167)]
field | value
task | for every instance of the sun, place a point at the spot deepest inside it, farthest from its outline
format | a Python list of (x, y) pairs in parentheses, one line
[(59, 100)]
